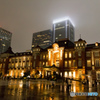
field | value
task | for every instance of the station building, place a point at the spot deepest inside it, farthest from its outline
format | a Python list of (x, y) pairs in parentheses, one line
[(76, 60)]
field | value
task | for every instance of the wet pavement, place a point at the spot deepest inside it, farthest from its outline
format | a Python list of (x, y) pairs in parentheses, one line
[(43, 90)]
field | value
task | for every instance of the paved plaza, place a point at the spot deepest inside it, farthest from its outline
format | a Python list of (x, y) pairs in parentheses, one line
[(43, 90)]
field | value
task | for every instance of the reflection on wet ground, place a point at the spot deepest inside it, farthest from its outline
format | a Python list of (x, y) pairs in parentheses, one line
[(43, 90)]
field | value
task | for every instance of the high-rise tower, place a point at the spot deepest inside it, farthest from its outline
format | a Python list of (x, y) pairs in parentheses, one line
[(5, 40), (63, 28), (42, 39)]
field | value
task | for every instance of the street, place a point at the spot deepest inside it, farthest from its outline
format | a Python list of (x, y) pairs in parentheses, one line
[(43, 90)]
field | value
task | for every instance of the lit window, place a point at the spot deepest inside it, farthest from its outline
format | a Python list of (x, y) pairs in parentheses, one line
[(43, 63), (73, 74), (65, 42), (70, 74), (70, 55), (76, 45), (43, 56), (65, 54), (65, 63), (66, 74), (46, 63), (88, 63), (69, 63), (56, 37), (47, 56), (79, 44), (57, 56), (32, 45), (59, 34)]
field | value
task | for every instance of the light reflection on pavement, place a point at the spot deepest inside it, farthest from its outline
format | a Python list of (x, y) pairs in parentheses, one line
[(43, 90)]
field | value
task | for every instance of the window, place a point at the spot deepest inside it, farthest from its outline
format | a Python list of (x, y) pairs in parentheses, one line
[(19, 60), (65, 42), (56, 37), (34, 64), (70, 55), (88, 63), (65, 54), (96, 54), (46, 63), (79, 53), (81, 44), (73, 63), (43, 63), (57, 63), (88, 54), (73, 54), (57, 56), (66, 74), (97, 63), (43, 56), (27, 64), (59, 34), (76, 45), (65, 63), (24, 58), (69, 63), (70, 74), (34, 56), (40, 63), (79, 63)]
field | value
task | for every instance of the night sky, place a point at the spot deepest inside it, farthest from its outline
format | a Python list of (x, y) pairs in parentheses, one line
[(25, 17)]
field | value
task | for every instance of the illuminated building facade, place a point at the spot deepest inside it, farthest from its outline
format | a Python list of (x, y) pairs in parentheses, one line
[(4, 61), (76, 60), (93, 61), (42, 39), (63, 28), (15, 64), (62, 57), (19, 63), (5, 40)]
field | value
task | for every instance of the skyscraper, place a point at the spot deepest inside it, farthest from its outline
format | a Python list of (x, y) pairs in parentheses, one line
[(5, 40), (63, 28), (42, 38)]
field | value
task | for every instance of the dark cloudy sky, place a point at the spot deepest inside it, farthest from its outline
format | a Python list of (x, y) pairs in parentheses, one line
[(24, 17)]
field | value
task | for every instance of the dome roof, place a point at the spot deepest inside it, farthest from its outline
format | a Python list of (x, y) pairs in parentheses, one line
[(80, 39)]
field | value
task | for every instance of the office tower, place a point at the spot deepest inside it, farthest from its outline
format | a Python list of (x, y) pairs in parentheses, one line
[(42, 39), (63, 28), (5, 40)]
